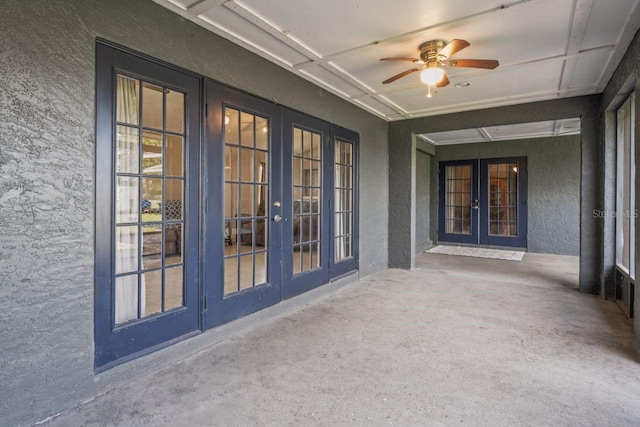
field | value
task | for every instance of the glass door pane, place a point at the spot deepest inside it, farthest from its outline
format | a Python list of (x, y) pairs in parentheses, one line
[(458, 199), (503, 199), (246, 208)]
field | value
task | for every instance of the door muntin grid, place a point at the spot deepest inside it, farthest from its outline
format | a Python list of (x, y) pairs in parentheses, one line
[(343, 194), (307, 204), (246, 200), (149, 197), (503, 199), (458, 198)]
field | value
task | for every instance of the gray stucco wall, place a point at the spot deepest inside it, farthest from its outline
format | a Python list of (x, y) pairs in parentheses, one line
[(553, 178), (423, 200), (47, 176)]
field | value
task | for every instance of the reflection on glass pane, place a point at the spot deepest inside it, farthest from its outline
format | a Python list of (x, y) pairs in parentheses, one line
[(173, 288), (315, 227), (306, 258), (127, 99), (297, 171), (151, 199), (262, 133), (261, 233), (348, 246), (339, 248), (303, 229), (306, 172), (230, 275), (246, 272), (127, 199), (128, 148), (261, 200), (348, 154), (246, 164), (316, 147), (231, 163), (493, 228), (315, 173), (231, 126), (152, 106), (246, 129), (261, 166), (152, 245), (306, 143), (231, 200), (261, 268), (246, 200), (297, 259), (313, 256), (246, 236), (152, 292), (232, 227), (173, 244), (339, 175), (126, 298), (297, 142), (174, 158), (175, 111), (151, 153), (126, 249), (174, 196), (297, 201)]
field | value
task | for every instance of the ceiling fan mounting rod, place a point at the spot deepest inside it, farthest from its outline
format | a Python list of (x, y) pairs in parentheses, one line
[(429, 51)]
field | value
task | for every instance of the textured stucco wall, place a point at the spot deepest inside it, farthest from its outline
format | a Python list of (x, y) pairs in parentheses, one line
[(553, 178), (591, 176), (423, 199), (47, 176)]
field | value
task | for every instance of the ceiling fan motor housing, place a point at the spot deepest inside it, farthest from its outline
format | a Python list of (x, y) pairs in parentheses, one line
[(429, 51)]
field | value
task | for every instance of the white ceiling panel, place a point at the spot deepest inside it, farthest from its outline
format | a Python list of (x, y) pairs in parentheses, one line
[(331, 26), (607, 21), (244, 30), (546, 48), (514, 132), (588, 70), (505, 84), (328, 78)]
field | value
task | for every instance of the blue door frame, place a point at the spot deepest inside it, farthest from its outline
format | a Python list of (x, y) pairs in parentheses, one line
[(480, 198), (219, 308), (115, 344)]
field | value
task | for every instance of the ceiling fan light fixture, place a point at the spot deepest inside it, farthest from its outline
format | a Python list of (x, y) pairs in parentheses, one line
[(432, 75)]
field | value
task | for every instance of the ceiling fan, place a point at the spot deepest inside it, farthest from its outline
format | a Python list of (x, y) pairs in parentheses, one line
[(434, 57)]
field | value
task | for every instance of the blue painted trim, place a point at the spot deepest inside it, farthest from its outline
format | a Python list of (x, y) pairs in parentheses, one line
[(452, 237), (112, 345), (521, 240), (222, 309)]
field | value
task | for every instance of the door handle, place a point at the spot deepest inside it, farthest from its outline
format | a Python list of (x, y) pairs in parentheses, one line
[(475, 207), (277, 218)]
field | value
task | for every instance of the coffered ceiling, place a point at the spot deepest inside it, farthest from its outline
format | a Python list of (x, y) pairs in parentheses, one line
[(547, 49)]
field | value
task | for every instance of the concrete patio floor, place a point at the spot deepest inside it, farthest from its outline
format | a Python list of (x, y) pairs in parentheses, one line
[(458, 341)]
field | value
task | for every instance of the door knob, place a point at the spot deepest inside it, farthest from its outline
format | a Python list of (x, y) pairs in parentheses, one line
[(277, 218)]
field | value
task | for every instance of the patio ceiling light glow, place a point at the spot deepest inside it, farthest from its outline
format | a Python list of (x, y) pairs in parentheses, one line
[(431, 75)]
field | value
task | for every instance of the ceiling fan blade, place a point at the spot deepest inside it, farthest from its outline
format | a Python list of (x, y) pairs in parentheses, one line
[(455, 45), (397, 76), (444, 82), (489, 64), (400, 59)]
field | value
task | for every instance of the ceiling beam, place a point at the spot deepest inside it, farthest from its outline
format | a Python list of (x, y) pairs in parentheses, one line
[(203, 6), (579, 19)]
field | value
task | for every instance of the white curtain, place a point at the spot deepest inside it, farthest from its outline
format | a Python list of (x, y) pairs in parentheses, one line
[(127, 205)]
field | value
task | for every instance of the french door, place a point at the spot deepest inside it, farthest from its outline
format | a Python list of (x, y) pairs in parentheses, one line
[(268, 226), (147, 206), (209, 207), (484, 202)]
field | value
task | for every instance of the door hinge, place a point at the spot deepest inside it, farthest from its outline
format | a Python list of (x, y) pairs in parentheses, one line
[(206, 205), (206, 110), (205, 302)]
